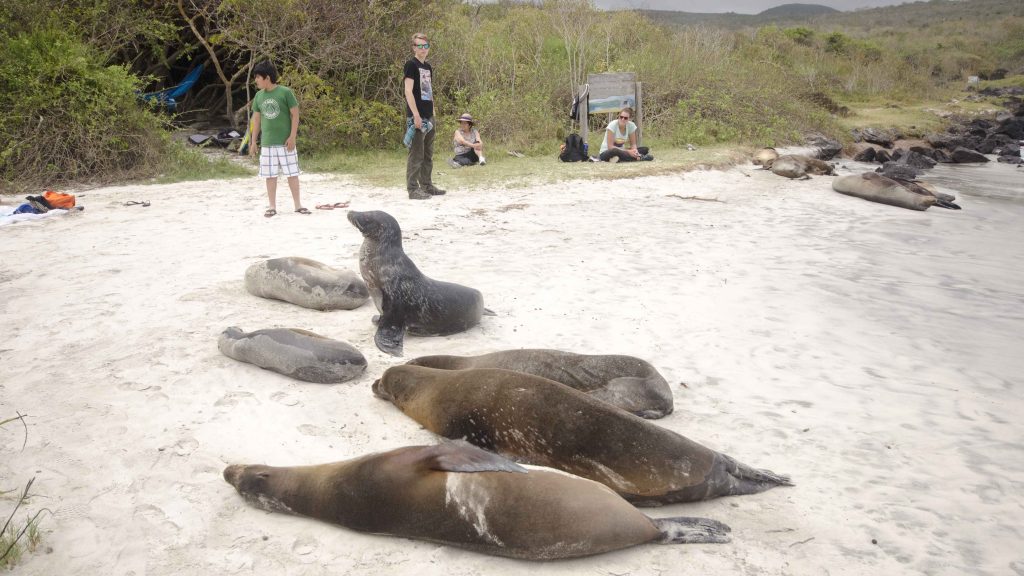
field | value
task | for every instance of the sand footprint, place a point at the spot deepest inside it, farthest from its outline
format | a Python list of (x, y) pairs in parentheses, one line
[(233, 398), (285, 398), (185, 446)]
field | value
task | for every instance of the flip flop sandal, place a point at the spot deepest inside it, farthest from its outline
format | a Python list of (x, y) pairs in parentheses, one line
[(136, 203), (340, 205), (325, 207), (303, 211), (270, 212)]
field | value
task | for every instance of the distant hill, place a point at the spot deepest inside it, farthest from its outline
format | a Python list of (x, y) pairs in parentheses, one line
[(797, 11)]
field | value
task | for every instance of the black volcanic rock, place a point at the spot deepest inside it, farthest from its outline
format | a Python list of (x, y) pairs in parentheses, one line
[(917, 160), (965, 156), (883, 138), (896, 170), (1012, 127), (827, 148), (865, 155), (881, 156)]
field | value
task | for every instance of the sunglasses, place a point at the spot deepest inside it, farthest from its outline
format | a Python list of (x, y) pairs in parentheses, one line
[(624, 117), (424, 46)]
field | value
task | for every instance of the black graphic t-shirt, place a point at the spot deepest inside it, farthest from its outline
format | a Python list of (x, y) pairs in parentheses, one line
[(422, 87)]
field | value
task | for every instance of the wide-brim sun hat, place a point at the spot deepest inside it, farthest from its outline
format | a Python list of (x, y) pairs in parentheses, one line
[(467, 118)]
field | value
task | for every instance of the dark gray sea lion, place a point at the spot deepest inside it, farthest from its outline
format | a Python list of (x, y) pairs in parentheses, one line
[(460, 495), (624, 381), (902, 193), (542, 422), (307, 283), (406, 298), (798, 166), (300, 354)]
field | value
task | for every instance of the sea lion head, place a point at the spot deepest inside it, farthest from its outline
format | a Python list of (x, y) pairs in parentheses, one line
[(376, 225), (399, 384), (257, 484)]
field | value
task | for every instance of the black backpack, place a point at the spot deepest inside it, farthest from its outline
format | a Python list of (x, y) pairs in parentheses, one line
[(573, 149)]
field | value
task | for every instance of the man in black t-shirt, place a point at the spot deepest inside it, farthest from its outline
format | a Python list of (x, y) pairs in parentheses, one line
[(419, 114)]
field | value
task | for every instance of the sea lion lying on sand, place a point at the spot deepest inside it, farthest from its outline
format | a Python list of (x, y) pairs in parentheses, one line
[(542, 422), (908, 194), (460, 495)]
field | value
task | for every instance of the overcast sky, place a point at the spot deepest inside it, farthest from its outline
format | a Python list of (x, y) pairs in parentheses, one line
[(738, 6)]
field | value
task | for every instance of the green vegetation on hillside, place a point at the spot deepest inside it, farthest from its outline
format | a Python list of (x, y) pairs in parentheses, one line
[(70, 70)]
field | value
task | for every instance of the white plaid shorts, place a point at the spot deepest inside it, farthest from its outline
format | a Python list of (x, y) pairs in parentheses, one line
[(276, 160)]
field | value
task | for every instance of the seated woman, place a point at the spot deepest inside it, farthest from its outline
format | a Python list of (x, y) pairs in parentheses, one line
[(619, 142), (469, 148)]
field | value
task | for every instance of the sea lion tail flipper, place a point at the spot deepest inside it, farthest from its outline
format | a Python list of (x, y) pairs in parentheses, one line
[(689, 530), (943, 203), (461, 456), (742, 479), (489, 312), (389, 339)]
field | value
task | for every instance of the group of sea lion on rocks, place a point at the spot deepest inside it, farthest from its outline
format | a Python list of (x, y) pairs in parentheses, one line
[(548, 452)]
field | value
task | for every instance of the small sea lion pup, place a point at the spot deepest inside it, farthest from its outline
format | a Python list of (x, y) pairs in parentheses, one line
[(405, 297), (460, 495), (624, 381), (307, 283), (300, 354), (798, 166), (907, 194), (539, 421)]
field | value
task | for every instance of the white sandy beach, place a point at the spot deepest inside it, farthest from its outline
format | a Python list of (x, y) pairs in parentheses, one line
[(871, 352)]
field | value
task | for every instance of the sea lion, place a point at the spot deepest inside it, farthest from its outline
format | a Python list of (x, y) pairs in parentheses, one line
[(460, 495), (307, 283), (406, 298), (902, 193), (539, 421), (798, 166), (624, 381), (764, 157), (300, 354)]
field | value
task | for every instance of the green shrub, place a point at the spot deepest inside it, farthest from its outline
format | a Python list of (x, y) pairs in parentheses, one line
[(329, 121), (67, 117)]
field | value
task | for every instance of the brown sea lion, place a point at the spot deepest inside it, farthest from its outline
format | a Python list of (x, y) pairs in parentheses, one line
[(909, 194), (406, 298), (542, 422), (624, 381), (460, 495), (799, 166)]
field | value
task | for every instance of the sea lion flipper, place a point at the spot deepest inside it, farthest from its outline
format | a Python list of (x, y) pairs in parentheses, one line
[(389, 338), (461, 456), (688, 530), (943, 203), (489, 312)]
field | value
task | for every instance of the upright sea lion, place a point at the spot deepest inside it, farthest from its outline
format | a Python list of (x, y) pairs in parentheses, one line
[(460, 495), (301, 354), (799, 166), (902, 193), (624, 381), (542, 422), (406, 298), (307, 283)]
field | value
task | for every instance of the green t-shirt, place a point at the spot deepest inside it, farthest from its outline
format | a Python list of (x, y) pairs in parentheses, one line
[(275, 114)]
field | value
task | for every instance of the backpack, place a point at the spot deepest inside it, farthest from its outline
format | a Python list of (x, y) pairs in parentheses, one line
[(59, 199), (573, 149)]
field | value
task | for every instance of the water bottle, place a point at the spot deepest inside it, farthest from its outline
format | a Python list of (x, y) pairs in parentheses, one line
[(586, 150)]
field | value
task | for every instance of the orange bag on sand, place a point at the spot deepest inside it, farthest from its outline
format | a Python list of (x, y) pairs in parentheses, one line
[(59, 199)]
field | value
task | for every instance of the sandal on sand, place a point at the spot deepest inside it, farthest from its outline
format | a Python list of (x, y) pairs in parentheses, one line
[(303, 211), (340, 205), (270, 212), (144, 203), (325, 206)]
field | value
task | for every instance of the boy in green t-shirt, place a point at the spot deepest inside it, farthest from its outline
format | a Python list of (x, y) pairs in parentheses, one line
[(275, 121)]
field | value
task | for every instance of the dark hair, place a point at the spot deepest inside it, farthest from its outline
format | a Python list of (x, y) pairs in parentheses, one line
[(265, 69)]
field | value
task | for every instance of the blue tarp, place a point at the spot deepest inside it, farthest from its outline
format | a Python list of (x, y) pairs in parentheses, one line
[(168, 97)]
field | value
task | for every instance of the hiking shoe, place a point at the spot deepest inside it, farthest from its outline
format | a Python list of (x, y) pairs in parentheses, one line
[(647, 157), (418, 194), (483, 161), (454, 164), (433, 190)]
